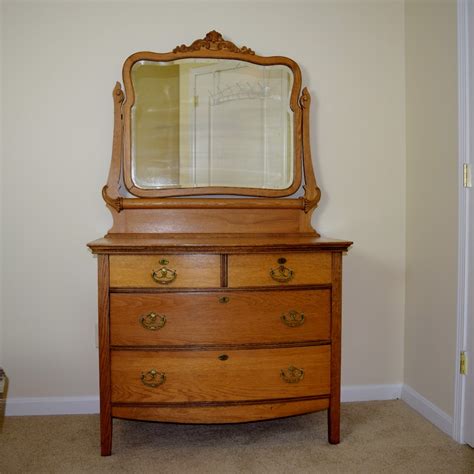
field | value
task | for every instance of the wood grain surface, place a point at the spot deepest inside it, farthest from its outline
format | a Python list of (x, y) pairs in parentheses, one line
[(193, 271), (193, 376), (215, 243), (220, 414), (104, 356), (334, 412), (203, 318), (254, 270)]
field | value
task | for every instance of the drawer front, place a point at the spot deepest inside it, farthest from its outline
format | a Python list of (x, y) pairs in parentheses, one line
[(193, 376), (164, 271), (219, 318), (279, 269)]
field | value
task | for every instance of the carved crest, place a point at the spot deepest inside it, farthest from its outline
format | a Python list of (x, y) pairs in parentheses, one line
[(213, 41)]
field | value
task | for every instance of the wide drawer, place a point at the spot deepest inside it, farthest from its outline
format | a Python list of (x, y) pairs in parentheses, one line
[(163, 271), (239, 317), (279, 269), (236, 375)]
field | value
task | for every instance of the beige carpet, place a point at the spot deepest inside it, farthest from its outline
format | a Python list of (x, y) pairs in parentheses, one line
[(378, 437)]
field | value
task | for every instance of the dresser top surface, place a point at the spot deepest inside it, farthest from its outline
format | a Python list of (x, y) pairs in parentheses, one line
[(213, 243)]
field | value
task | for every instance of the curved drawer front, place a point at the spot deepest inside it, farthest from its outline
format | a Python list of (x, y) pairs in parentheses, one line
[(238, 317), (280, 269), (164, 271), (237, 375)]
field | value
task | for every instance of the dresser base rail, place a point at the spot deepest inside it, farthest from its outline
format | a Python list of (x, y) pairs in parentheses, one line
[(214, 413)]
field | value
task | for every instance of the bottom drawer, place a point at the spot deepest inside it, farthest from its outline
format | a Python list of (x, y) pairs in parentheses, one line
[(237, 375)]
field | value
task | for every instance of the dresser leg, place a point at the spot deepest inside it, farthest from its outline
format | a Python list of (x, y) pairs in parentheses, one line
[(104, 358), (334, 412), (334, 416), (105, 435)]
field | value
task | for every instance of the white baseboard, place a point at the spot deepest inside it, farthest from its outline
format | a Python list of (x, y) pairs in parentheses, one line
[(350, 393), (85, 405), (29, 406), (366, 393), (427, 409)]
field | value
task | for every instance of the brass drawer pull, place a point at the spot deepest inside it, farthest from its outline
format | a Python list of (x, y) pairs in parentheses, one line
[(293, 319), (153, 321), (153, 378), (164, 275), (292, 374), (282, 274)]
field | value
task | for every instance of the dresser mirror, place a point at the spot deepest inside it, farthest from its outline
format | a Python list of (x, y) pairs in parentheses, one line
[(211, 118), (202, 122)]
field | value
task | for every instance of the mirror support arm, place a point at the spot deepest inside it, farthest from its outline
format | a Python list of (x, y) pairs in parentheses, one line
[(312, 193), (110, 191)]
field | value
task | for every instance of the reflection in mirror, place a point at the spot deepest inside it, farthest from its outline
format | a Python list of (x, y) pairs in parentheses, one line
[(211, 122)]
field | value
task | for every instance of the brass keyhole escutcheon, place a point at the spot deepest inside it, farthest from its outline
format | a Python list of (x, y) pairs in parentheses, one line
[(223, 357), (163, 261), (224, 299), (282, 260)]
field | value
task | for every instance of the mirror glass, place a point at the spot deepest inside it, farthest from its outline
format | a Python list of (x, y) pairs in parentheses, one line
[(211, 122)]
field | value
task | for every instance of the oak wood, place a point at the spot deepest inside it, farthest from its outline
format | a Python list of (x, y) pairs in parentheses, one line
[(267, 289), (104, 357), (203, 203), (214, 243), (201, 318), (254, 270), (224, 270), (334, 412), (220, 414), (193, 271), (202, 376), (113, 181), (312, 193), (223, 347), (211, 221)]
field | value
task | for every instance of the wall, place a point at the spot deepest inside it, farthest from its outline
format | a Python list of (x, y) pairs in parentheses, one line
[(432, 200), (61, 62), (1, 166)]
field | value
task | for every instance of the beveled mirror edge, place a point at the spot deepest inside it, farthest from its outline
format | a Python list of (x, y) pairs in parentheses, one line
[(215, 47)]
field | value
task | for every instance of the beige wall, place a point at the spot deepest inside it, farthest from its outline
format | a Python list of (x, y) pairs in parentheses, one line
[(61, 62), (1, 161), (431, 244)]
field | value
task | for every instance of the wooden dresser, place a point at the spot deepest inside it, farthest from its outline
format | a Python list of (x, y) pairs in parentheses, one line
[(216, 310)]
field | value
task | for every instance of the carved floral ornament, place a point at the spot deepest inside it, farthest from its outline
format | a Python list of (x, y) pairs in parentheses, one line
[(213, 41)]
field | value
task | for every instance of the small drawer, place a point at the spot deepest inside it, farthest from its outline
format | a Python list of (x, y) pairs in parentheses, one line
[(235, 375), (239, 317), (279, 269), (163, 271)]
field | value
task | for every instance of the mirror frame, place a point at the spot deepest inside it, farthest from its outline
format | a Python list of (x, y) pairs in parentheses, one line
[(213, 46)]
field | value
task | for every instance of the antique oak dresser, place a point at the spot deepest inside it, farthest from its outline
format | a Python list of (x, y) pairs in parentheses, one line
[(218, 301)]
